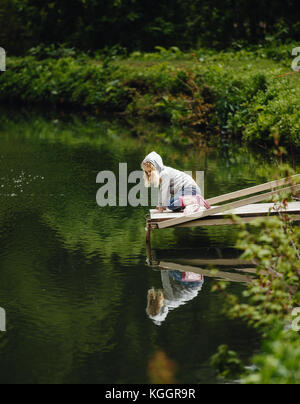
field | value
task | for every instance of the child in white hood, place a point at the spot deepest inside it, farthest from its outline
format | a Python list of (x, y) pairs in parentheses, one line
[(175, 187)]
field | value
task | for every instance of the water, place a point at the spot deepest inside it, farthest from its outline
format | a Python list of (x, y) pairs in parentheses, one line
[(74, 277)]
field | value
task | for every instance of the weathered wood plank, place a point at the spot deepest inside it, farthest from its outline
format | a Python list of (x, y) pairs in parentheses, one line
[(255, 209), (223, 262), (232, 277), (252, 190), (224, 222), (224, 208)]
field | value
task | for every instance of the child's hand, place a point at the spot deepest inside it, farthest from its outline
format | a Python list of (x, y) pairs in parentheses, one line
[(160, 210)]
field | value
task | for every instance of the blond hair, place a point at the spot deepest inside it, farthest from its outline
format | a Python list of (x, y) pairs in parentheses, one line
[(155, 302), (151, 175)]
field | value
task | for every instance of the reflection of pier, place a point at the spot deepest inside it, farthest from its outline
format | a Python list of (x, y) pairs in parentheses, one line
[(229, 269), (246, 207), (228, 276)]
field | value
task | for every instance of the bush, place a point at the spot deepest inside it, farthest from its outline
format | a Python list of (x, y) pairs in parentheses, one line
[(280, 362), (272, 112), (273, 244), (52, 52), (238, 93), (63, 81)]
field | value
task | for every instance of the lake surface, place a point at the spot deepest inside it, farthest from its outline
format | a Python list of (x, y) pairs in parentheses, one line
[(74, 277)]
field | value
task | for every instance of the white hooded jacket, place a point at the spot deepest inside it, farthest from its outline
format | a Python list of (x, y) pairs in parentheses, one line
[(171, 181)]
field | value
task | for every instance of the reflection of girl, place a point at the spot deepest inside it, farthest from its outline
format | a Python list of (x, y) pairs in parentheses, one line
[(178, 289)]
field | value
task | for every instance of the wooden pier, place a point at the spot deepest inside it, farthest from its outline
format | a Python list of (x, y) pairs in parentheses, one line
[(237, 275), (230, 269), (246, 204)]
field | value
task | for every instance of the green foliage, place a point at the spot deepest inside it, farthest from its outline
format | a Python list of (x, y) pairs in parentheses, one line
[(266, 106), (280, 362), (253, 98), (250, 98), (241, 93), (227, 362), (41, 52), (65, 81), (273, 245), (95, 24), (274, 112), (158, 91), (173, 53)]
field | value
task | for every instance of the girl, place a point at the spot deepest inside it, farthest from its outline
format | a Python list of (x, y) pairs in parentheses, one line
[(177, 190)]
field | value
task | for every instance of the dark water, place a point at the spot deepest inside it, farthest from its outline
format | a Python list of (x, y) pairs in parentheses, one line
[(74, 277)]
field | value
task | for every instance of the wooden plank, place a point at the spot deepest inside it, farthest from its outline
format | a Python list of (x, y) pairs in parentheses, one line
[(262, 208), (235, 263), (222, 222), (232, 277), (224, 208), (225, 222), (255, 209), (223, 262), (154, 215), (253, 190)]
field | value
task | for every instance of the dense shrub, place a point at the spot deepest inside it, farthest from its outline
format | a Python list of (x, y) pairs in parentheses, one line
[(64, 81), (241, 93), (254, 99), (273, 113)]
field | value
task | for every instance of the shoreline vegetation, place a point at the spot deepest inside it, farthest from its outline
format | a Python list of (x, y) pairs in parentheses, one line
[(203, 95), (271, 301)]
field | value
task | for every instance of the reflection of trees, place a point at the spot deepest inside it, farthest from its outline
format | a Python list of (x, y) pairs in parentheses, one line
[(30, 278), (47, 240), (64, 262)]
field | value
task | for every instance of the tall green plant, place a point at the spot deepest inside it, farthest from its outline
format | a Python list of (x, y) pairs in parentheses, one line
[(273, 245)]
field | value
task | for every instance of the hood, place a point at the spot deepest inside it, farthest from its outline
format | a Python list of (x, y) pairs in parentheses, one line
[(161, 316), (156, 160)]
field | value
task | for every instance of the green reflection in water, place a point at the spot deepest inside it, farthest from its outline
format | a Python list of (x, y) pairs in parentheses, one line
[(73, 276)]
